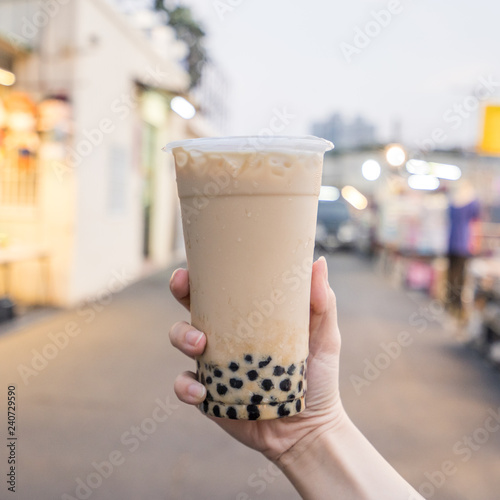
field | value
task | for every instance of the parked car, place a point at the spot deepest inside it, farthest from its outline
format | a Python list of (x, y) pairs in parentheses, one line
[(335, 228)]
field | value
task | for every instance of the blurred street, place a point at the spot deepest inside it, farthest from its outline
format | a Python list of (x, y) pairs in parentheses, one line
[(429, 402)]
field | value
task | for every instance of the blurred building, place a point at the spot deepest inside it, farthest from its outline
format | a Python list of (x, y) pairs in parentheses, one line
[(354, 134), (87, 197)]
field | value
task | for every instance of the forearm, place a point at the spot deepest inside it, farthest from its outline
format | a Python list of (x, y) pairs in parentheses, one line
[(340, 463)]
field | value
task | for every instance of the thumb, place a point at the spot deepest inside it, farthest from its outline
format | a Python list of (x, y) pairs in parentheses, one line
[(323, 328)]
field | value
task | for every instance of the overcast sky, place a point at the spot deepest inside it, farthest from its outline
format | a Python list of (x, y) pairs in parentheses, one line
[(288, 54)]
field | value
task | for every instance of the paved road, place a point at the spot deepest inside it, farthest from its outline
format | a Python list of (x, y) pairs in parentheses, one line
[(114, 370)]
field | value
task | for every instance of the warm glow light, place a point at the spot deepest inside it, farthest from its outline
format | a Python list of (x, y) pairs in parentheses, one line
[(395, 155), (329, 193), (182, 107), (354, 197), (425, 182), (371, 170), (7, 78)]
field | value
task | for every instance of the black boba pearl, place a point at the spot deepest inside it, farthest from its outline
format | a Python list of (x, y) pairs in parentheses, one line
[(248, 358), (291, 397), (217, 373), (209, 396), (274, 403), (298, 405), (302, 370), (231, 413), (253, 412), (216, 411), (198, 364), (236, 383), (202, 379), (256, 399), (233, 366), (278, 371), (205, 406), (221, 389), (282, 411), (267, 384), (291, 369), (208, 380), (285, 385), (252, 374), (299, 387), (265, 362)]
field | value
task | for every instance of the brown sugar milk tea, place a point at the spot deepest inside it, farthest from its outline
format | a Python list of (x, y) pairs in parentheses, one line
[(249, 208)]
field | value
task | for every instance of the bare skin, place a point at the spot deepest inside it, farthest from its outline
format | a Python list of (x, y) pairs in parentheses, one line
[(320, 450)]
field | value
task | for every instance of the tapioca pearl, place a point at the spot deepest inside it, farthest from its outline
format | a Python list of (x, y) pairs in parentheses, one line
[(256, 399), (300, 385), (233, 366), (202, 379), (198, 364), (298, 405), (231, 413), (252, 375), (283, 411), (217, 373), (205, 406), (291, 397), (248, 358), (291, 369), (221, 389), (265, 362), (253, 412), (236, 383), (208, 380), (216, 410), (278, 371), (267, 384), (209, 396), (274, 403), (285, 385), (302, 370)]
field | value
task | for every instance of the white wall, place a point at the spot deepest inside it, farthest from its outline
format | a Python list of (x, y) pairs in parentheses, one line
[(109, 203)]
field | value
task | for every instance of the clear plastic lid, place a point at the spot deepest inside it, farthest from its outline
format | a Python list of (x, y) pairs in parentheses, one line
[(308, 143)]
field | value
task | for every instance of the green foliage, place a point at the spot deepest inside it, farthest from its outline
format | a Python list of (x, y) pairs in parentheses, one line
[(188, 30)]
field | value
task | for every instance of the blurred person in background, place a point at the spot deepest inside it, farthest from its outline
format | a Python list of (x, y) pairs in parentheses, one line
[(464, 213)]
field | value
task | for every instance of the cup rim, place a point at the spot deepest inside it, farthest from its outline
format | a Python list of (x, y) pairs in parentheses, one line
[(306, 143)]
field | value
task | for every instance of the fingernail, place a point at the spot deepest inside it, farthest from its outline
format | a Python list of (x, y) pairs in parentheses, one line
[(196, 390), (173, 276), (193, 337), (325, 268)]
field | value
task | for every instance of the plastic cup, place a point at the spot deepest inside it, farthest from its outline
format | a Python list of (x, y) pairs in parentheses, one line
[(249, 207)]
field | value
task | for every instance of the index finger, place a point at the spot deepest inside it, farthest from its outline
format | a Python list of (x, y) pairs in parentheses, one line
[(179, 286)]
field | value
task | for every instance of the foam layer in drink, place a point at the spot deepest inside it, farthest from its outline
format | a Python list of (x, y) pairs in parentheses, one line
[(249, 222)]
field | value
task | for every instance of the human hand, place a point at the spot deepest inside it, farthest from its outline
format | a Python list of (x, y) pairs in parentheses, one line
[(323, 406)]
